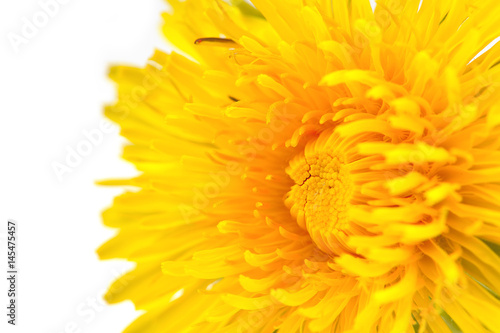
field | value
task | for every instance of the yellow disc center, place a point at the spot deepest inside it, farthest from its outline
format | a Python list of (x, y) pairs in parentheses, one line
[(321, 197)]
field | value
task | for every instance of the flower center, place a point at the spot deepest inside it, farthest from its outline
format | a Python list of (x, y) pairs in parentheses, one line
[(320, 198)]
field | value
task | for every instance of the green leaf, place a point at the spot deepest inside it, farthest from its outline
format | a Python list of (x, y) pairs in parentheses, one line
[(247, 9), (493, 246), (450, 322)]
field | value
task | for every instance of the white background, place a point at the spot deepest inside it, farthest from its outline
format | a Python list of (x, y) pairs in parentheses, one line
[(51, 90)]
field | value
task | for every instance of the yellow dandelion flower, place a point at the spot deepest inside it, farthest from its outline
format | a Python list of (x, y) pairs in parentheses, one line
[(313, 166)]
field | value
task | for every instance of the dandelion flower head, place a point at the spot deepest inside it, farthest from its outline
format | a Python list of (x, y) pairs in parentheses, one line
[(313, 166)]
